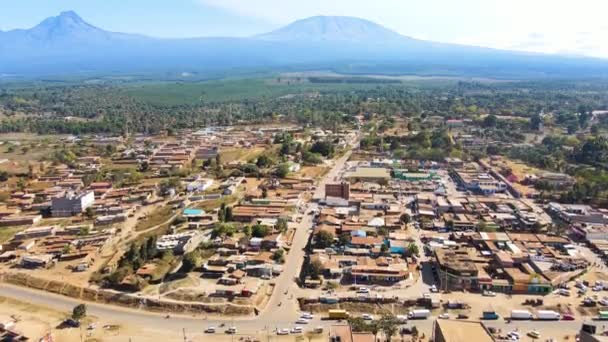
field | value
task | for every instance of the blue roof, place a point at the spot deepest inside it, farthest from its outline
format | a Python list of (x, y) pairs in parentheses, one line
[(192, 211)]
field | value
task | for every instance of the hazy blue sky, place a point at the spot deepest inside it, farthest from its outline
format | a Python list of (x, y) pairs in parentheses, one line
[(576, 27)]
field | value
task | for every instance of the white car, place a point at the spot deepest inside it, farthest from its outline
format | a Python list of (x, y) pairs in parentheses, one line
[(231, 331), (489, 294), (433, 288), (210, 330), (367, 317), (363, 290), (514, 335), (296, 330), (307, 315), (302, 321), (283, 332), (444, 316)]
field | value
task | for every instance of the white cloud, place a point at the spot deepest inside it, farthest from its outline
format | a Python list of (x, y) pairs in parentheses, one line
[(529, 25), (590, 43)]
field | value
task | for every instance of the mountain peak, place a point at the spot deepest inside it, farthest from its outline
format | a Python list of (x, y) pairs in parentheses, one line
[(65, 23), (70, 15), (333, 28)]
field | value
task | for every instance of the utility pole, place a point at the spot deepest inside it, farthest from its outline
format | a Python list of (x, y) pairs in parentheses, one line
[(184, 332)]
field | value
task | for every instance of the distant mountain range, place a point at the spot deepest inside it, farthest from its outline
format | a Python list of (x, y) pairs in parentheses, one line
[(334, 29), (68, 45)]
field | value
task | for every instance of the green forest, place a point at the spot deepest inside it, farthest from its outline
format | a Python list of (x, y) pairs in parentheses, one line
[(155, 107)]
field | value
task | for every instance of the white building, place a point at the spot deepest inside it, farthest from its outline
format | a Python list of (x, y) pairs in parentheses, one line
[(199, 185), (72, 203)]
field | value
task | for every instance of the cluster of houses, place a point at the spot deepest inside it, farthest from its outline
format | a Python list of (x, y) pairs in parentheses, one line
[(431, 195), (503, 262), (42, 247), (586, 223), (238, 266), (164, 154), (65, 195), (497, 240), (367, 245)]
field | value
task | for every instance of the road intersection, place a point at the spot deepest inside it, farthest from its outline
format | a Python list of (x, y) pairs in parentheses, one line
[(281, 310)]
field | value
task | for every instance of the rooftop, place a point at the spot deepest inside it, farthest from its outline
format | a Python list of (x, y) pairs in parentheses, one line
[(459, 330), (369, 172)]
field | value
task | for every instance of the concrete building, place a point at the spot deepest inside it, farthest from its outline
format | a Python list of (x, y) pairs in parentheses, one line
[(36, 261), (180, 243), (369, 174), (199, 185), (341, 190), (72, 203), (479, 182), (344, 333), (591, 332), (446, 330), (415, 176)]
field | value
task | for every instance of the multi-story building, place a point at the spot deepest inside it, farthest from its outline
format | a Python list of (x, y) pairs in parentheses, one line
[(480, 182), (341, 190), (72, 203)]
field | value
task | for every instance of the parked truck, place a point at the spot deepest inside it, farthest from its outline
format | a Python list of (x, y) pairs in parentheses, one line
[(419, 314), (489, 315), (521, 314), (548, 315), (602, 316), (338, 314)]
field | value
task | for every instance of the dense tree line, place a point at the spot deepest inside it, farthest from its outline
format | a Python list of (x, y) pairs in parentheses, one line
[(106, 109)]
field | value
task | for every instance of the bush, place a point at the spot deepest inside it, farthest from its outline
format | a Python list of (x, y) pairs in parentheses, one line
[(282, 170), (311, 158), (79, 312), (324, 239), (259, 231), (191, 261), (324, 148), (279, 256)]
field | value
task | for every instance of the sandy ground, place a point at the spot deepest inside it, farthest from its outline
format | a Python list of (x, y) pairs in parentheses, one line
[(36, 321), (312, 171)]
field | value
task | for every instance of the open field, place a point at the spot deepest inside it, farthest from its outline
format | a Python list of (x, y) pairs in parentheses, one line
[(312, 171), (7, 233), (157, 217), (216, 203), (520, 170), (240, 154)]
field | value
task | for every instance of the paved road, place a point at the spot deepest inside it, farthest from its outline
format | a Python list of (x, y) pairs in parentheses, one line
[(258, 325), (281, 311), (283, 305)]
